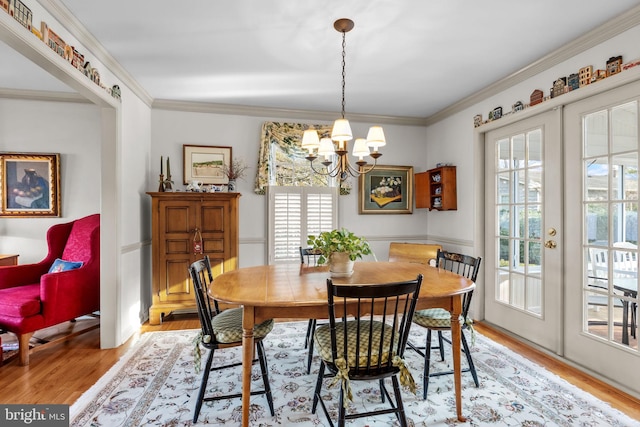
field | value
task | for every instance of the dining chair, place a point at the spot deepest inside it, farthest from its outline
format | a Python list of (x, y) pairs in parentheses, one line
[(423, 253), (368, 347), (439, 319), (623, 266), (220, 330), (309, 257)]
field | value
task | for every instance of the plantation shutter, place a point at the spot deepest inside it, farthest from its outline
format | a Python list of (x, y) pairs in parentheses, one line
[(296, 212)]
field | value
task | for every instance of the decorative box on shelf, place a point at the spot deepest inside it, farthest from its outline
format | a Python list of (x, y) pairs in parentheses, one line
[(436, 189)]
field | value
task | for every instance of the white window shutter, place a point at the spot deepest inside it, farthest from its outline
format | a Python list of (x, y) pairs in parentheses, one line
[(295, 213)]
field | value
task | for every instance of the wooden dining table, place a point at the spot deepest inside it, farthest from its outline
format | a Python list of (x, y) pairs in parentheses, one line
[(295, 291)]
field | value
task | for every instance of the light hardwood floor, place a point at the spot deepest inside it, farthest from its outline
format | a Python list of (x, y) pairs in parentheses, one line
[(61, 373)]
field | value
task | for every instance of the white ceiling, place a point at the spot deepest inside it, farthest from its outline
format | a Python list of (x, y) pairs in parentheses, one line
[(407, 58)]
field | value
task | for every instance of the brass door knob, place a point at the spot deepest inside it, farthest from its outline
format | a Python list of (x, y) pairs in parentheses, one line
[(550, 244)]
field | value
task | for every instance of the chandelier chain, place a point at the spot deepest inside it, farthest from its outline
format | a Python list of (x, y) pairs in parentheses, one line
[(344, 63)]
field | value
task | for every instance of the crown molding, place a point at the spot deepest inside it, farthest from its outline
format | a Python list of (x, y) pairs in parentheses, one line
[(78, 30), (606, 31), (244, 110)]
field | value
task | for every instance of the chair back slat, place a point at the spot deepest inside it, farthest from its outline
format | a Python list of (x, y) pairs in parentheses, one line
[(464, 265), (382, 319)]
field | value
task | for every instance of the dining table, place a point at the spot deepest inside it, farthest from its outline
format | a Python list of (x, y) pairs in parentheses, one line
[(297, 291)]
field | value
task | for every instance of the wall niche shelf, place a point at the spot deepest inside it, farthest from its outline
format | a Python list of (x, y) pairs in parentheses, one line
[(436, 189)]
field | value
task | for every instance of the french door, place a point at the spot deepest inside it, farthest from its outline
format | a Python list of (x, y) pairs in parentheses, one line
[(523, 229), (602, 149)]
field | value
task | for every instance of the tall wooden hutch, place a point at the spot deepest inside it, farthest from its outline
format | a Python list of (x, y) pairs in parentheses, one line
[(176, 220)]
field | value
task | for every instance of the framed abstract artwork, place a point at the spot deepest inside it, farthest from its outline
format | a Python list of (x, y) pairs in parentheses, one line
[(30, 185), (386, 190), (205, 163)]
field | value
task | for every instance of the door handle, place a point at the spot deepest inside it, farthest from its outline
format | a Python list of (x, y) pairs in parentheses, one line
[(550, 244)]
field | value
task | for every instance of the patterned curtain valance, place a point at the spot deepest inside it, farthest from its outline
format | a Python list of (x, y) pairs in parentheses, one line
[(287, 136)]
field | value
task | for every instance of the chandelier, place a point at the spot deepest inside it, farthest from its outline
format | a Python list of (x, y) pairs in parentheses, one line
[(341, 168)]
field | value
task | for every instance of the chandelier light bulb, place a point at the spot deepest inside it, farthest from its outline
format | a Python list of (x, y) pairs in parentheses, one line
[(360, 148)]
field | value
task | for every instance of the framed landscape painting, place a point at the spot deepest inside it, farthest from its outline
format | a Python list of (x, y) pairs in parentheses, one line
[(386, 190), (205, 163), (30, 184)]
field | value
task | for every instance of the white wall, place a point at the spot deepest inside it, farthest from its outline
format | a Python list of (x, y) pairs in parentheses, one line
[(71, 129), (171, 129)]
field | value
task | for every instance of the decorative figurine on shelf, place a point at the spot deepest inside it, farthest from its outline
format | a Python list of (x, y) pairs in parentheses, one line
[(585, 74), (573, 82), (614, 65), (558, 87), (497, 113), (536, 97), (477, 120), (518, 106)]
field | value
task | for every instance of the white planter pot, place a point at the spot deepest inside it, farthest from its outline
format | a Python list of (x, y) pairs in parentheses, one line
[(340, 265)]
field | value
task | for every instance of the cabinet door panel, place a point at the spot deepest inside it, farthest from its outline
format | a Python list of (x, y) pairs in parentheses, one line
[(178, 246), (212, 219), (176, 286), (178, 219)]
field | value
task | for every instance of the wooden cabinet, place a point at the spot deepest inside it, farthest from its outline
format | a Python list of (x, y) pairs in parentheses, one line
[(9, 260), (176, 218), (436, 189)]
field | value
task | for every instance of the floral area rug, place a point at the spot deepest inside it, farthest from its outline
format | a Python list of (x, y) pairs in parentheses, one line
[(155, 384)]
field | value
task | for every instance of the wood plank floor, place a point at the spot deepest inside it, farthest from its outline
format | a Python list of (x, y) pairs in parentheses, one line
[(62, 372)]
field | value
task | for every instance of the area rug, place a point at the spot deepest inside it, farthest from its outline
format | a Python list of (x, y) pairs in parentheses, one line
[(155, 383)]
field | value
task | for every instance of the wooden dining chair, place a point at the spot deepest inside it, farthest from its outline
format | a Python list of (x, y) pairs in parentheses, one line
[(439, 319), (423, 253), (369, 347), (222, 329)]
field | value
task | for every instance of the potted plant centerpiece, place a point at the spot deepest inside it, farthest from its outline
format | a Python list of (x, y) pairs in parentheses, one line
[(339, 248)]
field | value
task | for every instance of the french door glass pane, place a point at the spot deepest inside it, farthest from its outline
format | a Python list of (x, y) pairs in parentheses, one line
[(610, 156), (519, 190)]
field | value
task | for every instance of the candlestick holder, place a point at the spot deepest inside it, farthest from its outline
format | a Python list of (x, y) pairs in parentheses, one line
[(161, 186), (168, 184)]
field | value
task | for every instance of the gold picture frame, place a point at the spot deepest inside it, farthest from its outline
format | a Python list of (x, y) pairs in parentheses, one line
[(30, 185), (205, 163), (386, 190)]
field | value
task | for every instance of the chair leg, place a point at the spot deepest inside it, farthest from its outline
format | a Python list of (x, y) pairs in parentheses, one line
[(472, 367), (311, 326), (342, 412), (399, 406), (203, 387), (427, 362), (316, 394), (310, 333), (265, 375), (441, 346), (23, 348)]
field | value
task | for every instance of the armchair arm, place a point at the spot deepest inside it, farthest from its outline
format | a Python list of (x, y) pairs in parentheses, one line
[(70, 294), (19, 275)]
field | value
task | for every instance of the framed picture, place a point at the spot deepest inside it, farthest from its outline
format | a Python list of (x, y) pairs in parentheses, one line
[(386, 190), (30, 184), (205, 163)]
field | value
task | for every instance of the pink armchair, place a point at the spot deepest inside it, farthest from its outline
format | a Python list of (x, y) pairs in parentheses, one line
[(31, 298)]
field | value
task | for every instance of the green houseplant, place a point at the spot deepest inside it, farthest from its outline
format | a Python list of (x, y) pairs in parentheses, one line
[(339, 248)]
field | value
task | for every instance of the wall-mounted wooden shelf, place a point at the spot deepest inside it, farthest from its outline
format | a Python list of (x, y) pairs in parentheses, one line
[(436, 189)]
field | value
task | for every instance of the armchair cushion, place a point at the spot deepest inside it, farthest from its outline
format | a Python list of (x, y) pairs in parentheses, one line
[(61, 265), (21, 301)]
